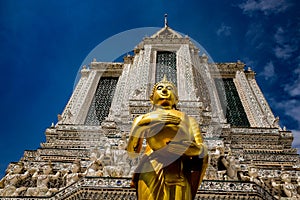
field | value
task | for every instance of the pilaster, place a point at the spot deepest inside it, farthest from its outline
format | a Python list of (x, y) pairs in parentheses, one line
[(267, 112), (87, 92), (120, 99), (249, 101), (68, 115), (186, 90)]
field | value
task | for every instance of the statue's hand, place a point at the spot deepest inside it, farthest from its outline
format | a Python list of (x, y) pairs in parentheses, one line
[(158, 118), (146, 119), (170, 119)]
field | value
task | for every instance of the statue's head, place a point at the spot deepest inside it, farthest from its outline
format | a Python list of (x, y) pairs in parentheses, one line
[(253, 172), (17, 168), (164, 94), (47, 168), (94, 154), (76, 166), (285, 176)]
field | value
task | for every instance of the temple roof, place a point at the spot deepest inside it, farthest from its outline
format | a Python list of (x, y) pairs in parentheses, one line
[(166, 32), (166, 36)]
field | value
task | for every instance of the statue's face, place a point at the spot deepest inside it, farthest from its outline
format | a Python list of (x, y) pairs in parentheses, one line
[(47, 169), (75, 168), (164, 95), (286, 177), (17, 169), (122, 145), (253, 171)]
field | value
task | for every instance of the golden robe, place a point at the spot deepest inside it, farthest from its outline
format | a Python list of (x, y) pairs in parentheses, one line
[(175, 158)]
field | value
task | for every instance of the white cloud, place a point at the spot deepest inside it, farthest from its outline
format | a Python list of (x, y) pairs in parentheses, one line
[(291, 108), (254, 34), (286, 45), (269, 72), (249, 62), (279, 36), (265, 6), (284, 51), (296, 141), (293, 89), (224, 30)]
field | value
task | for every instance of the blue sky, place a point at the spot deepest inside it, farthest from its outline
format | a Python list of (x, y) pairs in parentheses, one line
[(44, 42)]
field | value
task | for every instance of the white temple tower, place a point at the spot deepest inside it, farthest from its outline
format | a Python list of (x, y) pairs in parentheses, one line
[(251, 156)]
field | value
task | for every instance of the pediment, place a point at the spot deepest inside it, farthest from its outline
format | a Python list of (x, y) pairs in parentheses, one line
[(166, 32)]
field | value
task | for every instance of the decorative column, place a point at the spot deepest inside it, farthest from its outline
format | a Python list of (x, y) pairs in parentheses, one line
[(120, 99), (215, 104), (269, 118), (186, 88), (143, 77), (252, 108), (68, 115), (81, 107)]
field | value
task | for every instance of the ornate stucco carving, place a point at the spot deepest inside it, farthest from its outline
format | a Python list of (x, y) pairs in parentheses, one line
[(249, 101), (65, 117), (268, 114), (263, 147)]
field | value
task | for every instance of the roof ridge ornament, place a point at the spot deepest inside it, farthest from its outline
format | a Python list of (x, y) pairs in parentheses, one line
[(166, 20)]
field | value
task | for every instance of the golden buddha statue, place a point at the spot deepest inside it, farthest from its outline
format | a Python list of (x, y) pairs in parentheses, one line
[(175, 158)]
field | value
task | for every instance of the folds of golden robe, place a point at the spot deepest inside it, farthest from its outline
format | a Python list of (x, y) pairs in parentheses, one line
[(175, 158)]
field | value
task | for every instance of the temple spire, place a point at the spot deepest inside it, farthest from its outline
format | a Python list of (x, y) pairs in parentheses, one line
[(166, 20)]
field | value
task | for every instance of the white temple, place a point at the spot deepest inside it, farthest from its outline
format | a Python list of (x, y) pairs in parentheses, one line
[(84, 155)]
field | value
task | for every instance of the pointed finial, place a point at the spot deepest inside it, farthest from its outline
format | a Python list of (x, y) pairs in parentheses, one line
[(166, 20), (164, 79)]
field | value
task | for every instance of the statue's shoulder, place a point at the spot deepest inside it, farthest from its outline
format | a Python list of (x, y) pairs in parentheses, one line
[(137, 119), (193, 121)]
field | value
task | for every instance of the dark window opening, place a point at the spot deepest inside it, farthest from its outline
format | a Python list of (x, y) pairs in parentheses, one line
[(99, 108), (231, 104), (166, 65)]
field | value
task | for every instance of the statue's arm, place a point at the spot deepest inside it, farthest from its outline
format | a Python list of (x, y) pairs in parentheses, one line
[(243, 177), (153, 118), (225, 162), (25, 175), (195, 131), (200, 158), (139, 126), (56, 176), (136, 137), (35, 175)]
